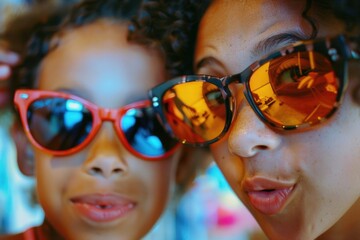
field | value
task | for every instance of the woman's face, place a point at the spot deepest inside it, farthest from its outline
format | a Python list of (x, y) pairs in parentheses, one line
[(103, 191), (296, 184)]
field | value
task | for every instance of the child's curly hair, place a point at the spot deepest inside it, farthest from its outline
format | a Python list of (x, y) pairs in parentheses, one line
[(34, 39), (163, 25)]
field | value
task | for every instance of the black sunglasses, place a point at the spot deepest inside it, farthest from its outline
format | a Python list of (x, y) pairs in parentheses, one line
[(297, 87)]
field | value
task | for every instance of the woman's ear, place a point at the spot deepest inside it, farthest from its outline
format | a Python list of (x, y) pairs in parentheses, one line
[(24, 150), (193, 161), (354, 82), (356, 94)]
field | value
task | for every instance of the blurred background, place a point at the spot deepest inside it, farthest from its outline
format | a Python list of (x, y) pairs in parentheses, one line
[(208, 211)]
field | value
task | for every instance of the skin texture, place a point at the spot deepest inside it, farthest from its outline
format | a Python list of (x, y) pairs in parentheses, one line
[(111, 72), (320, 165)]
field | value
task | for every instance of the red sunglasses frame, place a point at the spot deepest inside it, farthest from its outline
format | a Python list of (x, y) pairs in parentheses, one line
[(24, 97)]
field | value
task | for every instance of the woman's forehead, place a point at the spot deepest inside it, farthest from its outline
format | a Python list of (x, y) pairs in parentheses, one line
[(241, 39)]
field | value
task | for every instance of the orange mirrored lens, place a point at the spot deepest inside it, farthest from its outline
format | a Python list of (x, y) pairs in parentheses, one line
[(195, 111), (295, 89)]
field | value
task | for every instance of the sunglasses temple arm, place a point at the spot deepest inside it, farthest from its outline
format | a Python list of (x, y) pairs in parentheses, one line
[(354, 47)]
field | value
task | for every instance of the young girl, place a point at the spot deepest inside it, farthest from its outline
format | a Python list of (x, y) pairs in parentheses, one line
[(281, 109), (103, 164)]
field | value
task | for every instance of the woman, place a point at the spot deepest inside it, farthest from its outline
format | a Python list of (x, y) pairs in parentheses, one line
[(284, 131)]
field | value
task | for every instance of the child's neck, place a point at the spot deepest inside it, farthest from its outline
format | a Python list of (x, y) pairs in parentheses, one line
[(348, 227), (47, 232)]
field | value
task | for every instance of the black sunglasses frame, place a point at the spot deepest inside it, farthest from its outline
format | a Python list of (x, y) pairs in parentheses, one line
[(335, 49)]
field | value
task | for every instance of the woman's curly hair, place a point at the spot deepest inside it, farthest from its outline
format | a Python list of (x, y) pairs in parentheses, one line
[(348, 10), (177, 24), (176, 27)]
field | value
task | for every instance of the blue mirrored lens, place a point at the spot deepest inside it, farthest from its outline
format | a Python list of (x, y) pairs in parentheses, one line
[(59, 124), (144, 132)]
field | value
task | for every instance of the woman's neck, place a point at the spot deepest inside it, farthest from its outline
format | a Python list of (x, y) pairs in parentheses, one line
[(348, 227)]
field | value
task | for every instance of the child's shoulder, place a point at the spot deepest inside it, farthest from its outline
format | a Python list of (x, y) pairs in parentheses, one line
[(19, 236), (27, 235)]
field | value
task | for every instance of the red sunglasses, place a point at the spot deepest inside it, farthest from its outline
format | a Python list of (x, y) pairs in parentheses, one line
[(62, 124)]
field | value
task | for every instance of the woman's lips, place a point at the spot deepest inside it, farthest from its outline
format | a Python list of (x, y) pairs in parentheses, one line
[(268, 196), (102, 208)]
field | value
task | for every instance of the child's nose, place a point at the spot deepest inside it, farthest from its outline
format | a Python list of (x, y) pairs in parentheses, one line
[(249, 135), (105, 166), (106, 156)]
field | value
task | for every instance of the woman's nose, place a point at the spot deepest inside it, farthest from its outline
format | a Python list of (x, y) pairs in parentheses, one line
[(106, 155), (249, 135)]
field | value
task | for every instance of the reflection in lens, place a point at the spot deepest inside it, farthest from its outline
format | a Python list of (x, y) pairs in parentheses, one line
[(295, 89), (144, 132), (195, 111), (59, 124)]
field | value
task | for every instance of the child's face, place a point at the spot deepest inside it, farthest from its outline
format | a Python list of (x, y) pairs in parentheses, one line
[(296, 184), (103, 191)]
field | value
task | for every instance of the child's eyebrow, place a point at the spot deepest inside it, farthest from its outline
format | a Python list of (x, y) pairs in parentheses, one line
[(79, 93), (83, 94)]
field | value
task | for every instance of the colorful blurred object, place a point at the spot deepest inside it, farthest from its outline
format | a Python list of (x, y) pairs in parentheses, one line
[(211, 211)]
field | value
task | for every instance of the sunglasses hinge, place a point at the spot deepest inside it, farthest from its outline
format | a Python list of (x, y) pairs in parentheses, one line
[(24, 96), (155, 101)]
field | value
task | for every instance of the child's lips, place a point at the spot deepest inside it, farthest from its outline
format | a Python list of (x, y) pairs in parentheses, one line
[(268, 196), (102, 208)]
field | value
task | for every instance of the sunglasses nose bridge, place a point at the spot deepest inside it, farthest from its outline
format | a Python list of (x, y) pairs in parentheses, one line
[(107, 114)]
